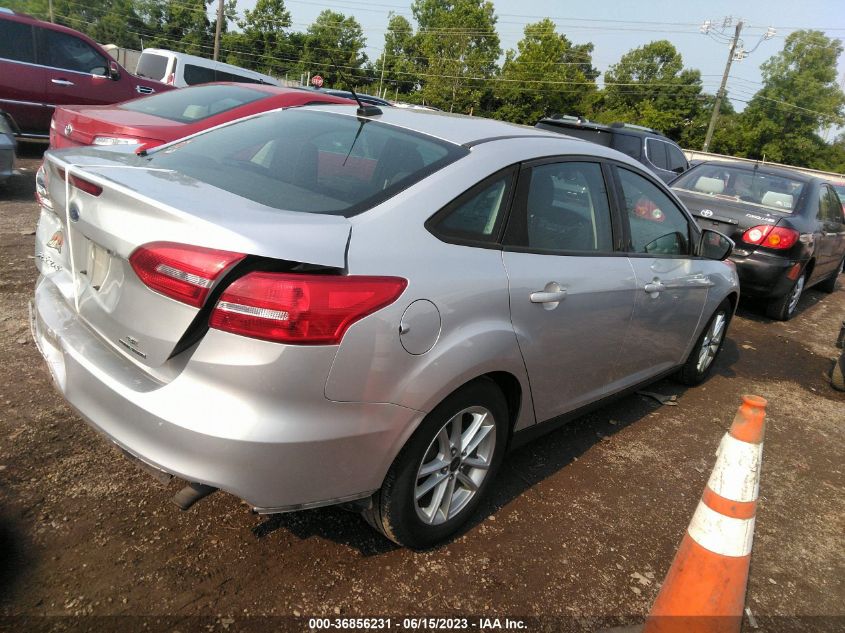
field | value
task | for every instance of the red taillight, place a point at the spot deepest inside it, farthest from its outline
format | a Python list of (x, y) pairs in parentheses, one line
[(777, 237), (301, 309), (81, 184), (180, 271)]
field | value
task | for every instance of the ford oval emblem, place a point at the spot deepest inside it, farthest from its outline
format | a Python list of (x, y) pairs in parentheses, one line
[(68, 129), (73, 212), (706, 213)]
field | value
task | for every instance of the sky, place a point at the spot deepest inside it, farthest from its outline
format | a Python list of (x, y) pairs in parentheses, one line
[(615, 27)]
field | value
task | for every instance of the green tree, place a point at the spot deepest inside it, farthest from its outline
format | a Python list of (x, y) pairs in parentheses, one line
[(545, 75), (799, 97), (649, 86), (399, 57), (458, 47), (180, 25), (263, 42), (334, 38)]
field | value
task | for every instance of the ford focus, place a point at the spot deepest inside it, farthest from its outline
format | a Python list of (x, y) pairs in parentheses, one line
[(330, 305)]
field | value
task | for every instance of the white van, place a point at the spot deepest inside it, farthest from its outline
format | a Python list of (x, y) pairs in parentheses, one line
[(181, 70)]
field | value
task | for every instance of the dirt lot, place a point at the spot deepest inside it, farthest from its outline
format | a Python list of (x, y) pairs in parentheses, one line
[(579, 532)]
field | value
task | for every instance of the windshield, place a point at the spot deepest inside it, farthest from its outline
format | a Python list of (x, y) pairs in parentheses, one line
[(771, 191), (310, 161), (194, 104)]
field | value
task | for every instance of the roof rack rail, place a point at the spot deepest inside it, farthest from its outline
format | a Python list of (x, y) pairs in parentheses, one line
[(631, 126), (570, 117)]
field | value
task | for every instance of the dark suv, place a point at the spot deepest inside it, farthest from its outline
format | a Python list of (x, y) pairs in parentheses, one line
[(650, 147), (43, 65)]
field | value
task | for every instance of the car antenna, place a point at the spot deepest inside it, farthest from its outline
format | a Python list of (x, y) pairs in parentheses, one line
[(363, 109)]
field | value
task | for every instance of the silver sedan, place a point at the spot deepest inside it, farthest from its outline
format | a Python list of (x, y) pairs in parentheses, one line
[(321, 306)]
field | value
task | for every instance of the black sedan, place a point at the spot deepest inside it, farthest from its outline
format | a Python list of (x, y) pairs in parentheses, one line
[(788, 227)]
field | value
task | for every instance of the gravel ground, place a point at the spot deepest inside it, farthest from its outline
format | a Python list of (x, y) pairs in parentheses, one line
[(577, 535)]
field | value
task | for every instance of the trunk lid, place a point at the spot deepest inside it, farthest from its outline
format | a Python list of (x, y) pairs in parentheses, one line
[(87, 122), (728, 215), (138, 206)]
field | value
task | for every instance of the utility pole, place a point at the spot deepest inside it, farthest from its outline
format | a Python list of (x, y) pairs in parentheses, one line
[(721, 94), (219, 28), (381, 80), (51, 12)]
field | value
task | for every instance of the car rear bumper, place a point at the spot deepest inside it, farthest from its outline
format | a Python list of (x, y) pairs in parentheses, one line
[(764, 275), (277, 452)]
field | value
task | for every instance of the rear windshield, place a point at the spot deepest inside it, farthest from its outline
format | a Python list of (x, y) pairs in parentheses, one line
[(152, 66), (771, 191), (194, 104), (309, 161)]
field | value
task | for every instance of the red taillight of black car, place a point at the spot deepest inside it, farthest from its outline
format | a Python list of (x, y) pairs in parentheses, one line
[(770, 236)]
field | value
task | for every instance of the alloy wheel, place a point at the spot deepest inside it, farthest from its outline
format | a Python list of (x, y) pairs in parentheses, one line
[(455, 465), (711, 342), (795, 295)]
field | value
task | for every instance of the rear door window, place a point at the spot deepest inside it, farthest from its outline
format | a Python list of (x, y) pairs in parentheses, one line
[(657, 153), (61, 50), (675, 158), (310, 161), (830, 209), (198, 74), (16, 42), (565, 210)]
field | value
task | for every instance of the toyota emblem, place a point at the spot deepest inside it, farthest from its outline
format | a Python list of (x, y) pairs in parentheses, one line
[(706, 213), (68, 129)]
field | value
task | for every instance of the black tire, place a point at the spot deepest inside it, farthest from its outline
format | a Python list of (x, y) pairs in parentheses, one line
[(695, 370), (784, 308), (395, 512), (829, 284)]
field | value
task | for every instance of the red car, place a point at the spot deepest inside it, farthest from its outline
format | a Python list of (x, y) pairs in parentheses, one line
[(168, 116), (44, 65)]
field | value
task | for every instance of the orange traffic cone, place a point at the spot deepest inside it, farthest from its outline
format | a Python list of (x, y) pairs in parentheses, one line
[(704, 590)]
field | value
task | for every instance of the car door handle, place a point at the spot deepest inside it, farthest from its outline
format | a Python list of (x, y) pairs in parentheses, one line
[(62, 82), (548, 296), (654, 287)]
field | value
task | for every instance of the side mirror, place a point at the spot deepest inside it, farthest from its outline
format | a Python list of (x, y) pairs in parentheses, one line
[(114, 71), (714, 245), (680, 170)]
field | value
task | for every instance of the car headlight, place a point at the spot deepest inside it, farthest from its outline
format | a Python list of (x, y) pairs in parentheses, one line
[(111, 140), (53, 124)]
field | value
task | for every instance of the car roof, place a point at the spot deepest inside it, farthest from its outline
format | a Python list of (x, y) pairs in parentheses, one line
[(761, 168), (459, 129), (614, 128)]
